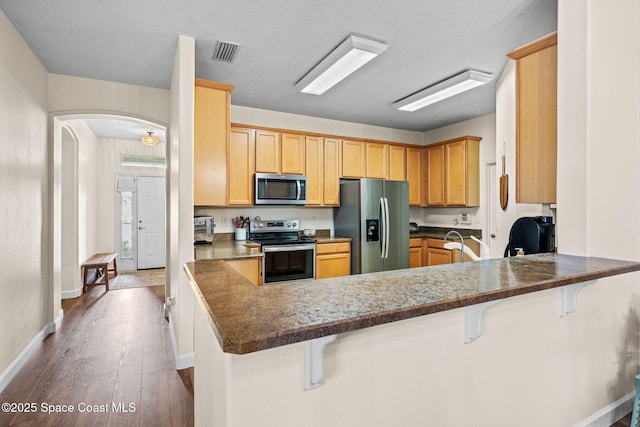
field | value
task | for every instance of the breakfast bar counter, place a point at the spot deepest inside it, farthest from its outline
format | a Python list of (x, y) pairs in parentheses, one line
[(418, 347), (247, 318)]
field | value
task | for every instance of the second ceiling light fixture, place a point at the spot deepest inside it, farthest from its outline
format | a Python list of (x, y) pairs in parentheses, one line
[(355, 51)]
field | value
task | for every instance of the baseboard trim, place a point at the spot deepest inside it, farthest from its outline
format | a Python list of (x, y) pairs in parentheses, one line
[(611, 413), (19, 362), (182, 361), (71, 294)]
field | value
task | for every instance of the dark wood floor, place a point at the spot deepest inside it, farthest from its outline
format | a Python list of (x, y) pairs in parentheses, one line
[(624, 422), (112, 353)]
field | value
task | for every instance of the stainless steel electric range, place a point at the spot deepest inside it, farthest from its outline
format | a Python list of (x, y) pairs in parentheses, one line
[(287, 255)]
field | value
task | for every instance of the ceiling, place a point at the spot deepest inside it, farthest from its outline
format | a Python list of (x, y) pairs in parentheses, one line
[(124, 128), (281, 40)]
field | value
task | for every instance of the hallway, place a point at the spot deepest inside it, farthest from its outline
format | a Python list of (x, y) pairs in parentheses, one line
[(111, 363)]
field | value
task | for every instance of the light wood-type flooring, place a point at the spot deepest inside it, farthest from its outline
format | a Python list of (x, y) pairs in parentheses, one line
[(113, 355)]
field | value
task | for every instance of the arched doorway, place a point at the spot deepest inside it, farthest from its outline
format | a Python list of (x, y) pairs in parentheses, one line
[(72, 201)]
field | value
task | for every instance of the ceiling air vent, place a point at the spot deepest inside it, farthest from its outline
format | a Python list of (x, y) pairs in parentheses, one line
[(225, 51)]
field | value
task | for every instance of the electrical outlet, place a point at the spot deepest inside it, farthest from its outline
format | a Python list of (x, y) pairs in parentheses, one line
[(465, 218), (225, 220)]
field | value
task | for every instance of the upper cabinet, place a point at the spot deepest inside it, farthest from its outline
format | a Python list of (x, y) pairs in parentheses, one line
[(211, 132), (314, 147), (453, 172), (280, 153), (292, 153), (536, 121), (434, 162), (353, 159), (414, 175), (397, 163), (377, 160), (331, 172), (241, 166), (267, 151)]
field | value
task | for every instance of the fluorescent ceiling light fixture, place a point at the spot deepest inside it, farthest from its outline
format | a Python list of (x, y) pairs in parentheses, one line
[(350, 55), (443, 90)]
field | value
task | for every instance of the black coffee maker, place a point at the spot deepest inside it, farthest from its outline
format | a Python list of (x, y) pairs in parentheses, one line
[(531, 235)]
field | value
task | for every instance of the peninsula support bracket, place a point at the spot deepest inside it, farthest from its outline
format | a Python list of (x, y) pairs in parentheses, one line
[(473, 320), (569, 297), (313, 358)]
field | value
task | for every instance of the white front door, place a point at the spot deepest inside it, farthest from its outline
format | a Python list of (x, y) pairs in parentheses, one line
[(151, 224)]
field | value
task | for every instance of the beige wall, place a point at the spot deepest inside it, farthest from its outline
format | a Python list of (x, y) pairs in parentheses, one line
[(25, 308), (109, 151), (276, 119)]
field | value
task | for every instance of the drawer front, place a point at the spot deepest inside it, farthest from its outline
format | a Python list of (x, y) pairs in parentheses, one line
[(415, 242), (333, 248), (437, 243)]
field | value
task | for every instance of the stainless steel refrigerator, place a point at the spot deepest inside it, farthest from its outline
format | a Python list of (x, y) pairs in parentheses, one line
[(375, 214)]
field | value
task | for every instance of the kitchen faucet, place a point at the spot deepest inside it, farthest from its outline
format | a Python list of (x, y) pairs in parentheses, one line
[(461, 240)]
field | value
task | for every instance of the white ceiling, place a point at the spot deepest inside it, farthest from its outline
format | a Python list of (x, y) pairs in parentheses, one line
[(429, 40), (131, 130)]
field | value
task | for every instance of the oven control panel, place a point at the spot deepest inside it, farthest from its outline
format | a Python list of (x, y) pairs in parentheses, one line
[(270, 225)]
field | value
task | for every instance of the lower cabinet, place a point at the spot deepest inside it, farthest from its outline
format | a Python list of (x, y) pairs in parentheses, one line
[(434, 253), (415, 252), (333, 259), (250, 268)]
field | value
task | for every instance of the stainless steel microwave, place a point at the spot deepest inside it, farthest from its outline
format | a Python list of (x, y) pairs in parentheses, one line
[(274, 189)]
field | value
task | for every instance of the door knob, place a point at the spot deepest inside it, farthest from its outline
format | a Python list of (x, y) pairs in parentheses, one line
[(141, 228), (493, 235)]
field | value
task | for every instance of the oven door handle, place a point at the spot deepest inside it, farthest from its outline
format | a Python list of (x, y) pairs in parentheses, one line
[(289, 248)]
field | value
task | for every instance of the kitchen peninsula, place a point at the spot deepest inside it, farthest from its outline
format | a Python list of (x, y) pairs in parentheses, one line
[(391, 364)]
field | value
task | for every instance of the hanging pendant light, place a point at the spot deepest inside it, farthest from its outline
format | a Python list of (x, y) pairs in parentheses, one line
[(149, 139)]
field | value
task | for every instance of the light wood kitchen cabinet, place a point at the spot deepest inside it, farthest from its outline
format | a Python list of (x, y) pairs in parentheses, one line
[(280, 153), (267, 151), (331, 172), (241, 166), (377, 160), (435, 175), (536, 121), (414, 175), (210, 133), (397, 163), (453, 172), (436, 254), (292, 152), (415, 252), (333, 259), (314, 148), (462, 172), (353, 159), (250, 268)]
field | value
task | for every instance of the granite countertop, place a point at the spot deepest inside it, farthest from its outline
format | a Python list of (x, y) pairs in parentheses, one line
[(246, 318), (439, 232), (227, 249)]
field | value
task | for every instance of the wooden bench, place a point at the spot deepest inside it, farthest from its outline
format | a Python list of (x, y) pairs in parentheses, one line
[(99, 263)]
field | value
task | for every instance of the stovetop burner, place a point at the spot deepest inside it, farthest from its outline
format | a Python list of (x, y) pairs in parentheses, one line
[(277, 232)]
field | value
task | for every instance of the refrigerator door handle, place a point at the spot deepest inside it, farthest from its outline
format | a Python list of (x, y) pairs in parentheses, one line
[(386, 228), (383, 225)]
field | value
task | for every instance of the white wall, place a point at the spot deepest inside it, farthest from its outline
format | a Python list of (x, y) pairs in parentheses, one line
[(484, 127), (598, 173), (25, 306), (180, 200)]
